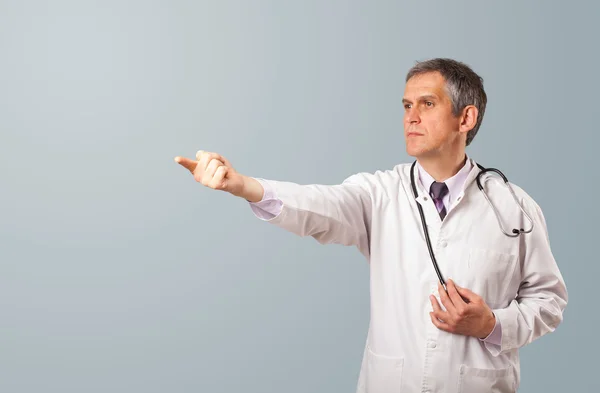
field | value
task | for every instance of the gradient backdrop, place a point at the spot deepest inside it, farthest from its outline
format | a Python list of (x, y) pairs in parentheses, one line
[(119, 273)]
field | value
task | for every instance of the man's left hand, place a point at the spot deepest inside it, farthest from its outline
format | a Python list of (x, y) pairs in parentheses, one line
[(466, 312)]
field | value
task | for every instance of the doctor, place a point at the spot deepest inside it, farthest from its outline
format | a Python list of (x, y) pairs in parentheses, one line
[(501, 292)]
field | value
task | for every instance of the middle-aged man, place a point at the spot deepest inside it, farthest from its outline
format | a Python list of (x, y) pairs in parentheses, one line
[(502, 290)]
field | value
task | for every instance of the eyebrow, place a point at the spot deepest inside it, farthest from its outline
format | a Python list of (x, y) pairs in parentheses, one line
[(422, 98)]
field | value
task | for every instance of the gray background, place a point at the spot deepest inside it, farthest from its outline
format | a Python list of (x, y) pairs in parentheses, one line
[(120, 273)]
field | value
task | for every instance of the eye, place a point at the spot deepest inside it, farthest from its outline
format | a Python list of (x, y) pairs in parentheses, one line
[(428, 103), (406, 106)]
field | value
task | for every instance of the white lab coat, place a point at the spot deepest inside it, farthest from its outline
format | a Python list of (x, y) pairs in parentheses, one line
[(517, 277)]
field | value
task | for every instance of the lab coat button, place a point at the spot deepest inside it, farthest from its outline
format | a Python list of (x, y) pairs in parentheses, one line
[(432, 345), (444, 244)]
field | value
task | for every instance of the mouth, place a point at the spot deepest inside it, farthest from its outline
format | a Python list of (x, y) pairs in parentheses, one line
[(411, 134)]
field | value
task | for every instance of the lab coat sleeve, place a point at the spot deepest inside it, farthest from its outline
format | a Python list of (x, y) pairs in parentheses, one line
[(542, 296), (331, 214)]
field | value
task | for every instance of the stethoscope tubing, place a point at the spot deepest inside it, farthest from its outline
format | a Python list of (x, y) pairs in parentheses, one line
[(515, 232)]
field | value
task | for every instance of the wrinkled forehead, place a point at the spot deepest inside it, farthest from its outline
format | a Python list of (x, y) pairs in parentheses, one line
[(430, 84)]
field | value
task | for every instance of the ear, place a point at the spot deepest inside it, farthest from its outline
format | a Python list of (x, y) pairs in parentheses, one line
[(468, 118)]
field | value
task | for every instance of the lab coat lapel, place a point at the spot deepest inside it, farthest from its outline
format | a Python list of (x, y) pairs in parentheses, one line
[(424, 199)]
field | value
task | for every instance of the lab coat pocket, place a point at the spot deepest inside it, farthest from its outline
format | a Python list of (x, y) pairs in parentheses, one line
[(491, 274), (477, 380), (384, 373)]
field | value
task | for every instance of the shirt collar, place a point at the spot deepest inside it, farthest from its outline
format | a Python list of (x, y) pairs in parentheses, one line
[(455, 184)]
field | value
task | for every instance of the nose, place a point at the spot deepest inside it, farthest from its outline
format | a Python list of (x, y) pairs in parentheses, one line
[(411, 116)]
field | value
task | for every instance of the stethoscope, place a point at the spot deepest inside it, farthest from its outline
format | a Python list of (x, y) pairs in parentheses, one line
[(515, 232)]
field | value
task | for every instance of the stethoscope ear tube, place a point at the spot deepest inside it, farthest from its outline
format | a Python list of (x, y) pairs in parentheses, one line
[(484, 170), (515, 231)]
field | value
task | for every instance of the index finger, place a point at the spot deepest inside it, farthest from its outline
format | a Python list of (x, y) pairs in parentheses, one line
[(457, 300), (446, 301), (190, 165)]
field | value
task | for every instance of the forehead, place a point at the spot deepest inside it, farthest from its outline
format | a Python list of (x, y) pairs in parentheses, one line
[(430, 83)]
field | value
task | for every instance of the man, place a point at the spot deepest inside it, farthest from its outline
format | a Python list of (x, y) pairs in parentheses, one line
[(502, 292)]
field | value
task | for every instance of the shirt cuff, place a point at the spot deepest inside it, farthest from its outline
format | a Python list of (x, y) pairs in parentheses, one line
[(495, 337), (269, 206)]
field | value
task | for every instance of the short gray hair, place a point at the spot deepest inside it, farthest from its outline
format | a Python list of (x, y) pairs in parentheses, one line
[(463, 85)]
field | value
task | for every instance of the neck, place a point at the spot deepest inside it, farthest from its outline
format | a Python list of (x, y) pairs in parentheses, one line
[(444, 167)]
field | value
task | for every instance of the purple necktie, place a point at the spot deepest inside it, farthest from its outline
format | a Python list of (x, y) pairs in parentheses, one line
[(437, 192)]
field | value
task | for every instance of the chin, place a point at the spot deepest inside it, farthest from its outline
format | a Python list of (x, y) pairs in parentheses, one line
[(415, 151)]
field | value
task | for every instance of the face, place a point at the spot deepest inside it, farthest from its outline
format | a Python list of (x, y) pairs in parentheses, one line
[(430, 128)]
